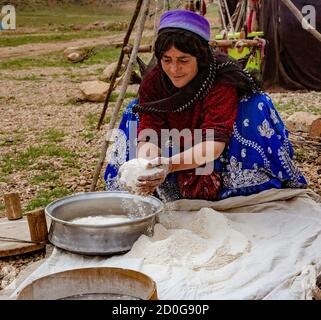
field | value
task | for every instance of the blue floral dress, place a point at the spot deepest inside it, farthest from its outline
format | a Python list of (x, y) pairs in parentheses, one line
[(259, 156)]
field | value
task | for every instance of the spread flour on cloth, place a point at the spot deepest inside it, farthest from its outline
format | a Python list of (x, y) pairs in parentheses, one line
[(208, 242)]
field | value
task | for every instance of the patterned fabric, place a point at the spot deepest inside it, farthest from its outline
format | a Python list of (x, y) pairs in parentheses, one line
[(259, 156)]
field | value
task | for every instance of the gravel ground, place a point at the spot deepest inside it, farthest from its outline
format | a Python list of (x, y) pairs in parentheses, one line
[(49, 100)]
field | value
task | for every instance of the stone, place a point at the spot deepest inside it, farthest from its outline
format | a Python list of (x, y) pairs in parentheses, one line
[(300, 121), (83, 183), (75, 54), (110, 69), (94, 91)]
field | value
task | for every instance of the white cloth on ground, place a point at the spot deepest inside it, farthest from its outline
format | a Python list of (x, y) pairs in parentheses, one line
[(270, 249)]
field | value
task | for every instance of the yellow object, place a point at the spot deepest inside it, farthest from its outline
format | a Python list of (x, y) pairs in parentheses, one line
[(254, 61)]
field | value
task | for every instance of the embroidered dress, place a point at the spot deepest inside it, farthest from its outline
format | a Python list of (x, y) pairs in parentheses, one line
[(259, 156)]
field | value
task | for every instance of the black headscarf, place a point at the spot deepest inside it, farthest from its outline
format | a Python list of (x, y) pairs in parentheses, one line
[(220, 68)]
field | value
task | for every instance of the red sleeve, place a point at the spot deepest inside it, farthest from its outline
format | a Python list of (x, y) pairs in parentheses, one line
[(152, 121), (219, 112)]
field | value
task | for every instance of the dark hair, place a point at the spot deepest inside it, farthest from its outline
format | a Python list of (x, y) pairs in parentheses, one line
[(185, 41), (232, 73)]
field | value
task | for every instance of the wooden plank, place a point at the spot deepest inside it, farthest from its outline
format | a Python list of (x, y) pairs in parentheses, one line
[(37, 225), (16, 229), (13, 206)]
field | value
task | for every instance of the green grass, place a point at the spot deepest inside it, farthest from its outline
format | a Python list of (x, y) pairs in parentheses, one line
[(13, 41), (15, 139), (113, 97), (45, 177), (104, 56), (300, 155), (71, 162), (88, 135), (131, 95), (70, 15), (44, 197), (3, 178), (2, 207), (91, 120), (53, 135), (21, 161), (295, 106)]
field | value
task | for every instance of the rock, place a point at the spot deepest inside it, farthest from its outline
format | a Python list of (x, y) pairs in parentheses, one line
[(83, 183), (94, 91), (315, 128), (300, 121), (75, 54), (110, 69), (96, 26)]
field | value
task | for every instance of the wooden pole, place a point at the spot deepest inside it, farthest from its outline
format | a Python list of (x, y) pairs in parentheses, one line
[(300, 18), (121, 96), (232, 43), (13, 206), (37, 225), (120, 61), (213, 43)]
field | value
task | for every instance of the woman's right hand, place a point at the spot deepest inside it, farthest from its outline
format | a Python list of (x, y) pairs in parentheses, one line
[(147, 184)]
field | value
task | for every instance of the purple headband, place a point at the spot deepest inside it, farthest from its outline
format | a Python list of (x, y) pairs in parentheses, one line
[(187, 20)]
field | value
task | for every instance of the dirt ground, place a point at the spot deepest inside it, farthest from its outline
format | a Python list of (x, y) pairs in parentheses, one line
[(28, 50), (30, 108), (37, 101)]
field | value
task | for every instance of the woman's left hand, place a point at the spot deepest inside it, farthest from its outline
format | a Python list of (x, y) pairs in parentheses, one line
[(148, 183)]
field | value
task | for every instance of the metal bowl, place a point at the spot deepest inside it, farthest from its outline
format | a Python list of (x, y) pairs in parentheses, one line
[(101, 283), (101, 239)]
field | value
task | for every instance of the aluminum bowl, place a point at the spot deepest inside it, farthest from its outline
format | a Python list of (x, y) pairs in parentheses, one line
[(101, 239)]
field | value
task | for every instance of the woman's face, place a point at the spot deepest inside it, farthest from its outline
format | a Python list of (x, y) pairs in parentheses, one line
[(179, 66)]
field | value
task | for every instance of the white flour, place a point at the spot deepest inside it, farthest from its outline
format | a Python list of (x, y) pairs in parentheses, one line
[(208, 242), (101, 220), (131, 170)]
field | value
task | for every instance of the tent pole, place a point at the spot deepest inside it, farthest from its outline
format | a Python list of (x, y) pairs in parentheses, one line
[(120, 61), (121, 96)]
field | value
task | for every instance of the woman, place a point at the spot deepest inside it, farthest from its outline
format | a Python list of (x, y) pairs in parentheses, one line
[(242, 143)]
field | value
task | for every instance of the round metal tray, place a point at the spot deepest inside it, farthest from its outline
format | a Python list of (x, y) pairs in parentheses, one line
[(101, 239), (102, 283)]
